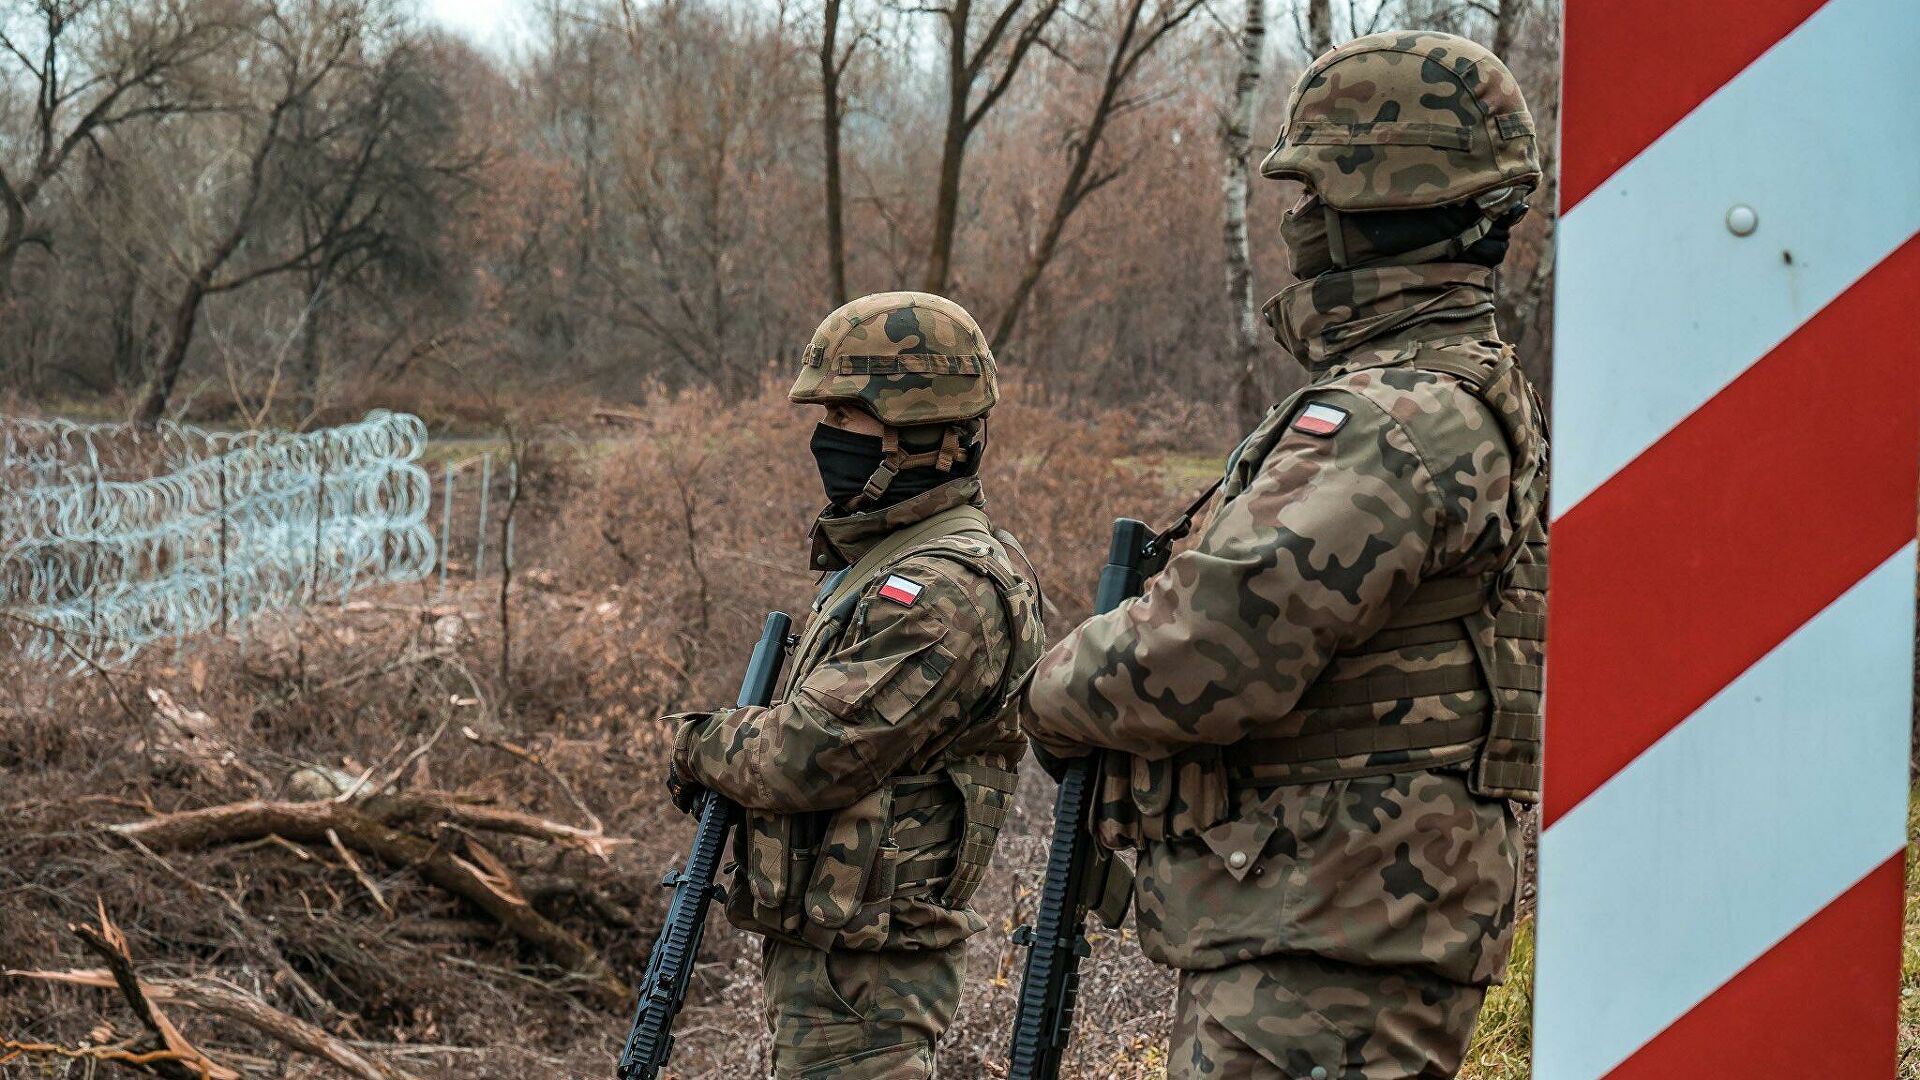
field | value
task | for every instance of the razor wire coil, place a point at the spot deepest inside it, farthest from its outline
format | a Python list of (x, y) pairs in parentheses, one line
[(115, 536)]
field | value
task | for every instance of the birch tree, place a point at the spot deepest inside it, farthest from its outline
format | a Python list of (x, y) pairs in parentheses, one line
[(1236, 136)]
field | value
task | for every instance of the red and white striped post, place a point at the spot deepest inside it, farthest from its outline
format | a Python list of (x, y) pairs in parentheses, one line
[(1736, 431)]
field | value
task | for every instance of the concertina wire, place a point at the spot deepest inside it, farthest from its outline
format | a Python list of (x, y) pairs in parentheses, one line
[(114, 536)]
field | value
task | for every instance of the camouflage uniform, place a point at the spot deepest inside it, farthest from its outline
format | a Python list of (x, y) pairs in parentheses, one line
[(874, 790), (1322, 708)]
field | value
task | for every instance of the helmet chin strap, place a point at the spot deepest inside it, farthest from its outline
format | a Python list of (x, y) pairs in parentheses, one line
[(894, 460)]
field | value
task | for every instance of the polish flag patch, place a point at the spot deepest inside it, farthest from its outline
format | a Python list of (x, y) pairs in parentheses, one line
[(900, 590), (1318, 419)]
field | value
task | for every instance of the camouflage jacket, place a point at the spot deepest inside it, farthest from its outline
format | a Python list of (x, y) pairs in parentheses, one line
[(876, 786), (1379, 477)]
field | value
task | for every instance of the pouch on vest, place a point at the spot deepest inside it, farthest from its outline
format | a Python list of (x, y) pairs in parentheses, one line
[(775, 862), (986, 793), (843, 864), (1510, 635), (1512, 644), (1181, 795)]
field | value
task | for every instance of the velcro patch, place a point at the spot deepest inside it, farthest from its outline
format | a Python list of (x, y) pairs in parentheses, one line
[(1319, 420), (900, 590)]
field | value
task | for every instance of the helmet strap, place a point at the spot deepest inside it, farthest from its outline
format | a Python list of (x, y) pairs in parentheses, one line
[(895, 460), (1336, 237)]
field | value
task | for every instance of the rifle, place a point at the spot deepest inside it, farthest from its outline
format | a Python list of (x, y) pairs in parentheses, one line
[(1082, 876), (670, 967)]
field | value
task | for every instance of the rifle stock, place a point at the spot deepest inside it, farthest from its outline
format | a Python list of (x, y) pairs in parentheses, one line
[(1082, 876), (670, 966)]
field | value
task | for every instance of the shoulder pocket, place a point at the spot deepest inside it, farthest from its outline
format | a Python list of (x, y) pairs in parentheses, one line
[(889, 686)]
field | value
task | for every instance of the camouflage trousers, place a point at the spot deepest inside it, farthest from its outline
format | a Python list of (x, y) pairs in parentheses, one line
[(1308, 1018), (850, 1015)]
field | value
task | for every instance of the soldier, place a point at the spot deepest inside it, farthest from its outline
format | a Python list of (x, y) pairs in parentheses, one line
[(875, 788), (1321, 710)]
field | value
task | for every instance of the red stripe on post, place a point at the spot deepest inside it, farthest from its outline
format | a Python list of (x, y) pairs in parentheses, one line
[(1745, 521), (1634, 68), (1820, 1003)]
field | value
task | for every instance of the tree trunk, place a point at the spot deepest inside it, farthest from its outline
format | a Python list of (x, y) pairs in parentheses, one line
[(830, 131), (953, 148), (309, 402), (1506, 25), (1319, 26), (1238, 138), (186, 315), (13, 236)]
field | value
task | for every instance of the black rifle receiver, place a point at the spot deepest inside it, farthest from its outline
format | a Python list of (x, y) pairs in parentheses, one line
[(1082, 876), (670, 967)]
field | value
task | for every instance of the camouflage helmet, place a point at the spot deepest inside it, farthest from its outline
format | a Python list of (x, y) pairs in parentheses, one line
[(1405, 120), (909, 358), (919, 364)]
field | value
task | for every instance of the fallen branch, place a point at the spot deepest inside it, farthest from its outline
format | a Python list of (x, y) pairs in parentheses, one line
[(594, 824), (216, 998), (291, 1031), (164, 1051), (366, 830), (434, 806), (353, 864)]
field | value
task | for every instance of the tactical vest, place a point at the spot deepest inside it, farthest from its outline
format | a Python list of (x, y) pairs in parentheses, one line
[(1474, 639), (898, 867)]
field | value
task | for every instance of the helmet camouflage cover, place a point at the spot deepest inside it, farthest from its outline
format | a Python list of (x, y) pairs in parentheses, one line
[(1404, 120), (909, 358)]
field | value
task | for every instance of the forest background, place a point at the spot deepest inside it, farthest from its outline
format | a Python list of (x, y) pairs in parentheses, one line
[(417, 832)]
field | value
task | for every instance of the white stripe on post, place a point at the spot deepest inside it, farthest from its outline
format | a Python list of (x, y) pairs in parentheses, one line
[(1780, 785), (1835, 181)]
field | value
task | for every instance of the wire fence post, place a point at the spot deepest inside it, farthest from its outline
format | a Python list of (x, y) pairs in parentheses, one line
[(319, 526), (223, 545), (446, 523), (513, 500), (480, 541)]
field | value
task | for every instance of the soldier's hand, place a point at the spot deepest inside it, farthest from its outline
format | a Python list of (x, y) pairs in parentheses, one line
[(686, 793), (686, 790)]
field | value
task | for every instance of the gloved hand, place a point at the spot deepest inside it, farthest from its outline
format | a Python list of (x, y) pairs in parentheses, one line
[(686, 790), (686, 793)]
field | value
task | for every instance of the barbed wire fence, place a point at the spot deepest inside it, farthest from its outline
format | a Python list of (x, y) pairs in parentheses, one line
[(113, 536)]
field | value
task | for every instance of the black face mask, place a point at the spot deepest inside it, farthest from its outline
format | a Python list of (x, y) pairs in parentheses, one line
[(847, 460)]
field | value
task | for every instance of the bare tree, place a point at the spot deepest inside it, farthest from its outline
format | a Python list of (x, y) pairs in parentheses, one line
[(1507, 18), (1236, 135), (833, 68), (1018, 27), (308, 45), (92, 66), (372, 175), (1136, 38), (1319, 26)]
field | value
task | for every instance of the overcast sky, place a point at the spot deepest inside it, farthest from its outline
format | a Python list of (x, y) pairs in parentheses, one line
[(489, 23)]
